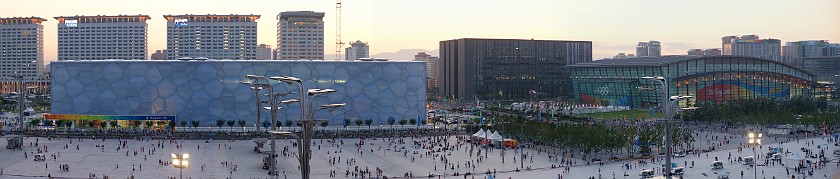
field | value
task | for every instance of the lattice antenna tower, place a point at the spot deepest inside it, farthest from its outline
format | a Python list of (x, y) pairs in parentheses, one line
[(338, 42)]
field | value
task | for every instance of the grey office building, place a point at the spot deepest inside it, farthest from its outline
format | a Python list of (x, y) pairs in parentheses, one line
[(826, 71), (300, 35), (770, 49), (102, 37), (508, 68), (649, 49), (22, 53), (794, 52), (231, 37)]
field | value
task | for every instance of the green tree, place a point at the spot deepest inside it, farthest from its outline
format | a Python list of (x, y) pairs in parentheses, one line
[(403, 121), (324, 125), (68, 123), (172, 124), (241, 123), (35, 122), (412, 121), (220, 123), (347, 122), (183, 123), (359, 122), (289, 123), (90, 124), (368, 122), (59, 123), (103, 124), (195, 123), (48, 122), (230, 123)]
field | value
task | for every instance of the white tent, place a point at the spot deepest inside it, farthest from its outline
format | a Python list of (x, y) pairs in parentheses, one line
[(480, 133), (496, 137)]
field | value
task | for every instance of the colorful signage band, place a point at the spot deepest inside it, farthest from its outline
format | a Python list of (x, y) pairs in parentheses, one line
[(105, 117)]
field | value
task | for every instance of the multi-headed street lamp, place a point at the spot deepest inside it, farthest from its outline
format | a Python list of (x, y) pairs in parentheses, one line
[(305, 100), (756, 140), (180, 162), (256, 89), (667, 103), (272, 108)]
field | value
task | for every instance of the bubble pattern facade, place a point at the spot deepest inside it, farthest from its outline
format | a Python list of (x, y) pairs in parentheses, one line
[(208, 90)]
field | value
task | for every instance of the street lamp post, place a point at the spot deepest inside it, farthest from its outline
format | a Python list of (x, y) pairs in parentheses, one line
[(664, 83), (273, 110), (256, 90), (306, 98), (21, 102), (756, 140), (667, 103), (180, 162)]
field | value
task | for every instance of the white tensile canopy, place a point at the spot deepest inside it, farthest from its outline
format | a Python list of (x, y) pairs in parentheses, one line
[(496, 137), (480, 133)]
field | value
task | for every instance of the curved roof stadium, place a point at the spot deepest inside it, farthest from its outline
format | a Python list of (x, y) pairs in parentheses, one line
[(665, 60), (617, 81)]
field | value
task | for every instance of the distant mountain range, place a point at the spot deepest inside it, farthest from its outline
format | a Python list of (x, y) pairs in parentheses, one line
[(400, 55)]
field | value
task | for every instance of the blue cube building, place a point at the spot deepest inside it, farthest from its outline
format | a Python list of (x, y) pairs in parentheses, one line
[(209, 90)]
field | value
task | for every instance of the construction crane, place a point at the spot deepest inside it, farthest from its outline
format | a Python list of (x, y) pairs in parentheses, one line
[(338, 42)]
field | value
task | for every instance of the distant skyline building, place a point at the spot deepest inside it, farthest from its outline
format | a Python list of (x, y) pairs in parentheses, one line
[(649, 49), (727, 41), (300, 35), (264, 52), (624, 56), (103, 37), (750, 37), (159, 55), (356, 51), (712, 52), (508, 68), (431, 68), (706, 52), (769, 49), (211, 36), (794, 52), (695, 52), (21, 53)]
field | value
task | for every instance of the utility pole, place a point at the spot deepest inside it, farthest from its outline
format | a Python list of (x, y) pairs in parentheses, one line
[(21, 101)]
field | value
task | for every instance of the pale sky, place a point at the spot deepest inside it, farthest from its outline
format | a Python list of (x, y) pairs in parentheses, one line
[(390, 25)]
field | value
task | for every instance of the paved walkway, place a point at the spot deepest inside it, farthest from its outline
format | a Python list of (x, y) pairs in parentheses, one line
[(235, 159)]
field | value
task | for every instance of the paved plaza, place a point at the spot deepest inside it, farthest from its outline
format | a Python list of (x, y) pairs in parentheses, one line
[(393, 157)]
